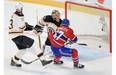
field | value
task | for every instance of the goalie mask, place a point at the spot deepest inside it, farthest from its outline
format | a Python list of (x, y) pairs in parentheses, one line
[(55, 14), (19, 7)]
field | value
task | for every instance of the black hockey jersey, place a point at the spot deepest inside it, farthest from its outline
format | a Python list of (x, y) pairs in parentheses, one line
[(49, 18)]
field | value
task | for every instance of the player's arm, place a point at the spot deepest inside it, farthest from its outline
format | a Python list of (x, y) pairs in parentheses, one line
[(73, 38), (45, 21), (41, 23), (38, 29)]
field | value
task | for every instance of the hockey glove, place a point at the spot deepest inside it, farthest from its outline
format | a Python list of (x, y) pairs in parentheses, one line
[(28, 27), (38, 28)]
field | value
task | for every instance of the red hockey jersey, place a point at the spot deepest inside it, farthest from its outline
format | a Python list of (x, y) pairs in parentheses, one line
[(61, 36)]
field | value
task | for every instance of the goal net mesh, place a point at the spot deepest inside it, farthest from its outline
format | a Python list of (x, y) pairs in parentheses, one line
[(91, 22)]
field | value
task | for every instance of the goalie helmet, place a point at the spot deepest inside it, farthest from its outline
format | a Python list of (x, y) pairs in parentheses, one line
[(65, 22), (19, 7), (55, 14)]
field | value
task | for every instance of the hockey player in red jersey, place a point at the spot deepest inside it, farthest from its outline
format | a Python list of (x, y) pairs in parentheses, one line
[(58, 40)]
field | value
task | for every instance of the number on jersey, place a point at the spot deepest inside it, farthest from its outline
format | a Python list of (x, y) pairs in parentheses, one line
[(58, 34)]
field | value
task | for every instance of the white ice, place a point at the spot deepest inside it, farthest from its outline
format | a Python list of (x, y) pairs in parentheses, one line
[(96, 62)]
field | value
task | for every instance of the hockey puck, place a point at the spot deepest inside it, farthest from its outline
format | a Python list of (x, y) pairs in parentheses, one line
[(100, 46)]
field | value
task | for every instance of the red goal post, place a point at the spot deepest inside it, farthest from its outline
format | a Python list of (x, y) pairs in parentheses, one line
[(95, 7)]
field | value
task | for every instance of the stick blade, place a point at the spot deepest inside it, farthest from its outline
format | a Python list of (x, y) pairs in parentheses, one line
[(82, 44)]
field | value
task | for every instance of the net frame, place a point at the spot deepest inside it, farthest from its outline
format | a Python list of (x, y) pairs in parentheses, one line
[(95, 7)]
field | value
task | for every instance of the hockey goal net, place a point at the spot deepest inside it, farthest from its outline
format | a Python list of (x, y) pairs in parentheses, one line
[(91, 23)]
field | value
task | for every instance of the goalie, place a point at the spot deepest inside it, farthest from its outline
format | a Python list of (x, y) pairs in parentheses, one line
[(58, 40), (49, 21)]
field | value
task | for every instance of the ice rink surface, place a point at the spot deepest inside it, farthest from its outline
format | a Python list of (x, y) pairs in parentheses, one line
[(96, 62)]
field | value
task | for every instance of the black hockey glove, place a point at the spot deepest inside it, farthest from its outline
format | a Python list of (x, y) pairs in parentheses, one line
[(38, 28), (28, 27)]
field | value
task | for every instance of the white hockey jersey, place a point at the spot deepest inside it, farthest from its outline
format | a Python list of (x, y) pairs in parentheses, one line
[(17, 21)]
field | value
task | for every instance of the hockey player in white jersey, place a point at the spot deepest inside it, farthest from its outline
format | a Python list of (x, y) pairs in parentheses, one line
[(17, 21), (24, 43)]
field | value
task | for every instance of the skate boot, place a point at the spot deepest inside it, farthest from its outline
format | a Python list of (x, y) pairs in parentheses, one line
[(13, 63), (59, 62), (45, 62), (80, 66)]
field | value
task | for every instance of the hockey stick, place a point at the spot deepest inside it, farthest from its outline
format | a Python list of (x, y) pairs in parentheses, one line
[(82, 44), (69, 42), (26, 62), (39, 39)]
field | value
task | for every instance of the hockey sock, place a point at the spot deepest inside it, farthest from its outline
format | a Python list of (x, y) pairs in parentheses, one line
[(16, 59), (19, 55), (75, 56)]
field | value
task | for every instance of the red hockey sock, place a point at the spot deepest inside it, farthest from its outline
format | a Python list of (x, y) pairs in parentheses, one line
[(75, 56), (57, 58)]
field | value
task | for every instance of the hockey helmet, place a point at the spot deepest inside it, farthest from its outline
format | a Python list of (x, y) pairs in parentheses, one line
[(55, 14), (65, 22), (19, 6)]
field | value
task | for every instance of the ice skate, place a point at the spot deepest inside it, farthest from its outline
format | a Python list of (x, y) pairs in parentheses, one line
[(13, 63), (80, 66), (45, 62), (59, 62)]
